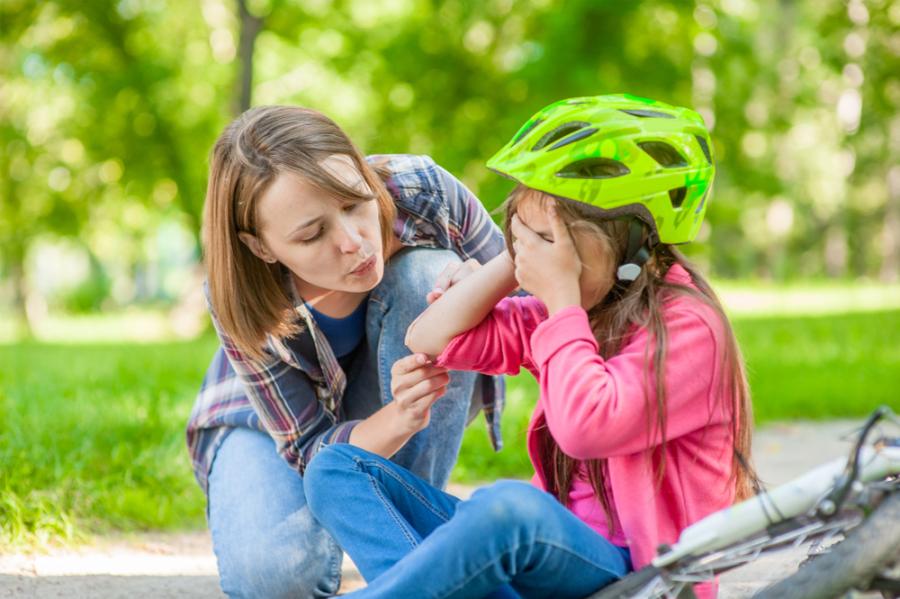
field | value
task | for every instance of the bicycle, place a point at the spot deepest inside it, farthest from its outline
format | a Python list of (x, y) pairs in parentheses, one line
[(848, 508)]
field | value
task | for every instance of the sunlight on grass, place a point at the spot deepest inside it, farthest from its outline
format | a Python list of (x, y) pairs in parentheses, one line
[(762, 300), (741, 299), (92, 434)]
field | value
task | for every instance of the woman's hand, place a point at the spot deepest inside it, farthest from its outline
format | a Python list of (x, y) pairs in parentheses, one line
[(549, 270), (416, 384), (453, 273)]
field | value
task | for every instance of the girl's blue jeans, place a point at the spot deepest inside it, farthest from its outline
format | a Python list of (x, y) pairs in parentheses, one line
[(266, 542), (411, 540)]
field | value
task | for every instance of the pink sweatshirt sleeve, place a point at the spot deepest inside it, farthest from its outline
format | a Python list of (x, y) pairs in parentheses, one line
[(596, 408), (499, 344)]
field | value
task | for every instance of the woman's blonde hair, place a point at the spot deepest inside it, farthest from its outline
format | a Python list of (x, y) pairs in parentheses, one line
[(641, 304), (247, 295)]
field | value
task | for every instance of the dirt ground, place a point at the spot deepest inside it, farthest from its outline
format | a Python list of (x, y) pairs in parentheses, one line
[(183, 565)]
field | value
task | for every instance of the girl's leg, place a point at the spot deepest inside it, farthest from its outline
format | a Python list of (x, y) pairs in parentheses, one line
[(508, 533), (393, 305), (376, 510), (266, 541)]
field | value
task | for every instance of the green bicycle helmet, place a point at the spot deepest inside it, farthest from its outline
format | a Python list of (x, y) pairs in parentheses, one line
[(622, 154)]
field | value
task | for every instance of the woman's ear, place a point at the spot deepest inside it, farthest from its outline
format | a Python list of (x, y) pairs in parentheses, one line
[(257, 247)]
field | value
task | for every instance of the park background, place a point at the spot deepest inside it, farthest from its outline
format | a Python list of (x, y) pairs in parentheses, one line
[(108, 111)]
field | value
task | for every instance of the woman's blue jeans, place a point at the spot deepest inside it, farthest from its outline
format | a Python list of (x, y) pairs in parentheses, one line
[(266, 542), (411, 540)]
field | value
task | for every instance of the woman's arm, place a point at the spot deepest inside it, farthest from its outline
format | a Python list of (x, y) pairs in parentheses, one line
[(416, 384), (462, 306)]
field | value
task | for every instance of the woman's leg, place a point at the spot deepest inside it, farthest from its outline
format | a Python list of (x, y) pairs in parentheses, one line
[(508, 533), (397, 301), (266, 541)]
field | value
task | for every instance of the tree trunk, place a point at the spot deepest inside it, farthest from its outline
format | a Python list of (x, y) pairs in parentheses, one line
[(20, 296), (250, 26), (890, 234)]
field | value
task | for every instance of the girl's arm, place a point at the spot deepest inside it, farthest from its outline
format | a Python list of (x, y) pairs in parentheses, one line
[(462, 306), (597, 408)]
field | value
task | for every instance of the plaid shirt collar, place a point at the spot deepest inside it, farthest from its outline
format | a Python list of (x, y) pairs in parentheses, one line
[(310, 351)]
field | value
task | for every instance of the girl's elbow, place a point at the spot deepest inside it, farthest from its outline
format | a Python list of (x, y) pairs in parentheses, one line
[(413, 340), (577, 448), (586, 441), (420, 342)]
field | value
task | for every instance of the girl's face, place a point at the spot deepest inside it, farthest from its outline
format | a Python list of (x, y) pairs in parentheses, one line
[(327, 243), (594, 251)]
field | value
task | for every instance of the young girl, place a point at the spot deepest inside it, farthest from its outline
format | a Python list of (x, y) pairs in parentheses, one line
[(643, 421)]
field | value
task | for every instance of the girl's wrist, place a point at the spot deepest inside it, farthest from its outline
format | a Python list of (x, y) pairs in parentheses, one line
[(562, 300)]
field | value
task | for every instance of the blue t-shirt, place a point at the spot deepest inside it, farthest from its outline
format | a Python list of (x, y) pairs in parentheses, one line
[(343, 334)]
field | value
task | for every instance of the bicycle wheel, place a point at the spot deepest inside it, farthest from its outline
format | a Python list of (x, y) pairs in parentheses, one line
[(867, 549)]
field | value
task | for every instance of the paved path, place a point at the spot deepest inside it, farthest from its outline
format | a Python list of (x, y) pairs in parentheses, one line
[(182, 565)]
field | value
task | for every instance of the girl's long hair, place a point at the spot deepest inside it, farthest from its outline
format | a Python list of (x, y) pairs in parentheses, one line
[(640, 304), (246, 294)]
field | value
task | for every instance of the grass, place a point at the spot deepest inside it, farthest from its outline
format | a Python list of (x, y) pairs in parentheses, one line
[(91, 435), (91, 439)]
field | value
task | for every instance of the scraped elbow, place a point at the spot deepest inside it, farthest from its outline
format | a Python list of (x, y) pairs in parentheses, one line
[(418, 340)]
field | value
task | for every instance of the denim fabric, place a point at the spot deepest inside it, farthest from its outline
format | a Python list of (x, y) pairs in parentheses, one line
[(411, 540), (266, 543)]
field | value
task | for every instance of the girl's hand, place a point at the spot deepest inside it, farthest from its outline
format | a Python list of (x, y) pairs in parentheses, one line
[(416, 384), (453, 273), (549, 270)]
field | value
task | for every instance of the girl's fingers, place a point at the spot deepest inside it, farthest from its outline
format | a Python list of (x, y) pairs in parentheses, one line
[(443, 280), (465, 269), (521, 232), (557, 226)]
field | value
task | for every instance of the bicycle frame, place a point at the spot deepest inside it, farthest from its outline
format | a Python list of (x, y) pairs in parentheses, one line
[(787, 501)]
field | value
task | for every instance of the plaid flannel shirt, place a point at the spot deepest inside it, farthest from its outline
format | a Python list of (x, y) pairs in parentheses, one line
[(295, 394)]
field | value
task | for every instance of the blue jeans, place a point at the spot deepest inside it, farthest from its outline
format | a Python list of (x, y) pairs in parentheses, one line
[(411, 540), (266, 542)]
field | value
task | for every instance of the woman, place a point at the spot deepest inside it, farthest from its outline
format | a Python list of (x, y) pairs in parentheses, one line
[(318, 260)]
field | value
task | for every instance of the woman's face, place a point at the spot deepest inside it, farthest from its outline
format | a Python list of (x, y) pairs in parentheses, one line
[(593, 251), (328, 243)]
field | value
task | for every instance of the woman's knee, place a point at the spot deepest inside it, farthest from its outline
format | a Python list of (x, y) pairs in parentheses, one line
[(415, 271), (297, 559), (265, 538)]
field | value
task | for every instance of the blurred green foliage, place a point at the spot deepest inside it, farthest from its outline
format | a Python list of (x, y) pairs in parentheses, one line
[(108, 109)]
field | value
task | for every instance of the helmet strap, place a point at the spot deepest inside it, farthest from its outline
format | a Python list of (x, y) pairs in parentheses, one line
[(636, 254)]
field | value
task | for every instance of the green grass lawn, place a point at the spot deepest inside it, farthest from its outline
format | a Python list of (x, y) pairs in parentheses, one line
[(91, 435)]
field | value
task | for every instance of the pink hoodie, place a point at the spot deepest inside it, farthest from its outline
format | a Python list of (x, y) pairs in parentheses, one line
[(596, 408)]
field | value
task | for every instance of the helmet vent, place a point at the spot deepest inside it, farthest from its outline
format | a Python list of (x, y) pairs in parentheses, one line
[(705, 147), (526, 130), (677, 196), (644, 114), (580, 134), (663, 153), (558, 133), (594, 168)]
